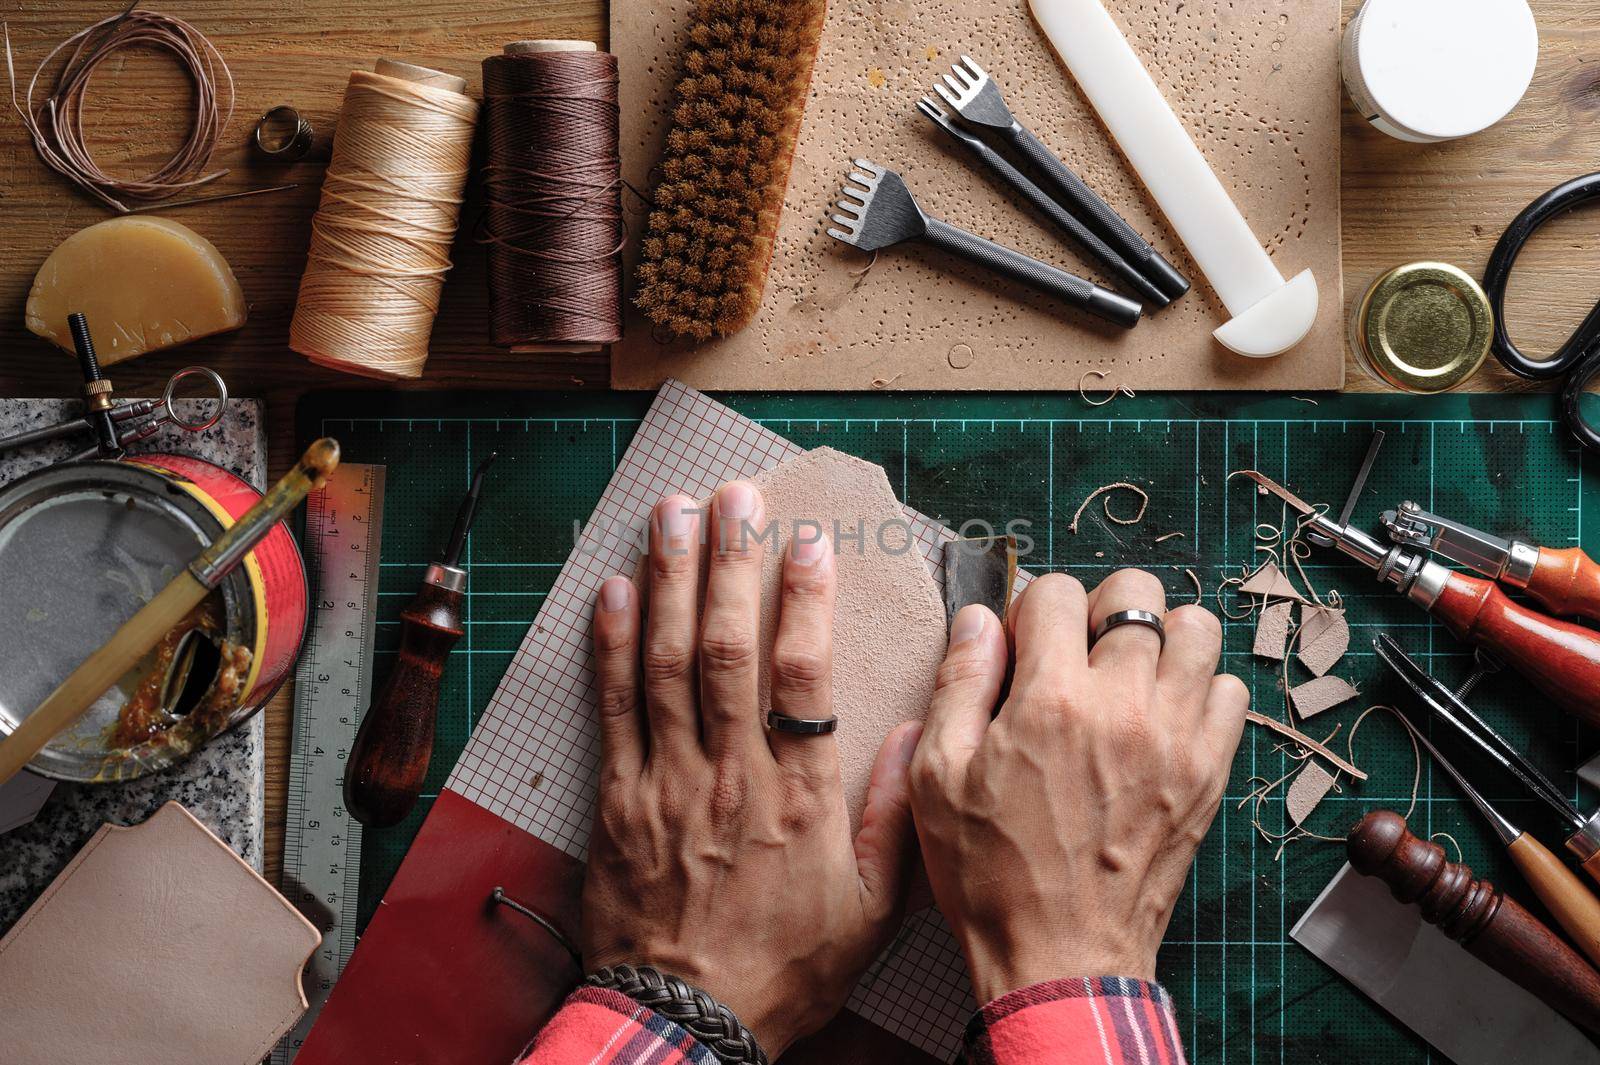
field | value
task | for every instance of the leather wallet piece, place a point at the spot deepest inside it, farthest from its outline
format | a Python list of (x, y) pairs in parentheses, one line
[(156, 944)]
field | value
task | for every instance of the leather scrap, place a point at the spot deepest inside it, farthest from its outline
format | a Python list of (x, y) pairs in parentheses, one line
[(1270, 581), (1323, 639), (1322, 693), (1272, 632), (1310, 786)]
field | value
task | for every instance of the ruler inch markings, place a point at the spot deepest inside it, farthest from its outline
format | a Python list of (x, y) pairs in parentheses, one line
[(333, 684)]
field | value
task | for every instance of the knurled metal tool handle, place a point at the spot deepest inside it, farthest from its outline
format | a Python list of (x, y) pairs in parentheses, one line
[(1084, 202), (1090, 245), (1082, 294)]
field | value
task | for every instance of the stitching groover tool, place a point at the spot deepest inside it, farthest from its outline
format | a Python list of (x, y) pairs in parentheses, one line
[(878, 211), (1561, 658), (117, 425)]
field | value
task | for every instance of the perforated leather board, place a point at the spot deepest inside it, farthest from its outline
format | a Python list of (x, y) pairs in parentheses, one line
[(1254, 81)]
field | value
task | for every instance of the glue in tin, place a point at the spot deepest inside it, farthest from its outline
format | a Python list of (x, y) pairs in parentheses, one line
[(1434, 70), (83, 546)]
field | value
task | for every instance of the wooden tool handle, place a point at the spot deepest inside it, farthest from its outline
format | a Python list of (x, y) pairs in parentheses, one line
[(395, 741), (1591, 866), (1560, 658), (1566, 582), (1488, 923), (1568, 899)]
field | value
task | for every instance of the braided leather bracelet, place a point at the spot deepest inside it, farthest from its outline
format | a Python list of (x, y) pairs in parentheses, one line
[(708, 1020)]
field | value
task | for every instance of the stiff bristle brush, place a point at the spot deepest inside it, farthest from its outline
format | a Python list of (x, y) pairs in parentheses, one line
[(708, 243)]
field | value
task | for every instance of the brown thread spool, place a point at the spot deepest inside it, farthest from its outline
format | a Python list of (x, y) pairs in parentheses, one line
[(380, 241), (553, 179)]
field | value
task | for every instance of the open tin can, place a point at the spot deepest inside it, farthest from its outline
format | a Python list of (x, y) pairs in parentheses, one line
[(84, 545)]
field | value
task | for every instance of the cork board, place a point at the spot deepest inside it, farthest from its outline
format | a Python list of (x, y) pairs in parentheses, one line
[(1254, 81)]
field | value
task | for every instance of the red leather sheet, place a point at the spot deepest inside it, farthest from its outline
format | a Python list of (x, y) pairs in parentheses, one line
[(444, 976)]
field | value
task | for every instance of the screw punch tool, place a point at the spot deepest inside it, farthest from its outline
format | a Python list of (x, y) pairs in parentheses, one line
[(879, 211)]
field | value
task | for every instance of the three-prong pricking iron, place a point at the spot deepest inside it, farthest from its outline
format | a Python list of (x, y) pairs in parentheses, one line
[(973, 95), (877, 210)]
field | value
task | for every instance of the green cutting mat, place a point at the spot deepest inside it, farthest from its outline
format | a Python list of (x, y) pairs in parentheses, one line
[(1247, 993)]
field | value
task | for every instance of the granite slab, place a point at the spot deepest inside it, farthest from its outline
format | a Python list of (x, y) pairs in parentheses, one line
[(223, 783)]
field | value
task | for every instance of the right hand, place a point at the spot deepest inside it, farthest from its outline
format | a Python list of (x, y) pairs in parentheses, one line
[(1058, 834)]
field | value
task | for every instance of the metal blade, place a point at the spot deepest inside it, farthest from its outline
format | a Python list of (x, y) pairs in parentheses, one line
[(1361, 477), (1443, 703), (979, 570)]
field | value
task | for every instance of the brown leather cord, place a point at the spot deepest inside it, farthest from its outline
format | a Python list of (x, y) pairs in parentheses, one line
[(56, 123), (553, 182)]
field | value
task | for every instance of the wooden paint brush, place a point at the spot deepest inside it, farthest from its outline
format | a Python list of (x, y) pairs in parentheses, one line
[(169, 606), (745, 74)]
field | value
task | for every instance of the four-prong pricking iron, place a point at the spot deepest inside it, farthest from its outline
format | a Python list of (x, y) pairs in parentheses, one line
[(1091, 246), (973, 95), (878, 210)]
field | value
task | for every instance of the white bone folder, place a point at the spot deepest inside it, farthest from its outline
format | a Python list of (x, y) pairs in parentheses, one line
[(1270, 315)]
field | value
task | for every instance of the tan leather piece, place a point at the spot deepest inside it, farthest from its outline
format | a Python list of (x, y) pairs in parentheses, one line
[(157, 945)]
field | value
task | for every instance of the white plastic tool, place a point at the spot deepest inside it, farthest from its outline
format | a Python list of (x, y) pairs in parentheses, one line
[(1270, 315)]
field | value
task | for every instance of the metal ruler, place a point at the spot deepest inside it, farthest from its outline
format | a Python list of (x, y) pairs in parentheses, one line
[(333, 687)]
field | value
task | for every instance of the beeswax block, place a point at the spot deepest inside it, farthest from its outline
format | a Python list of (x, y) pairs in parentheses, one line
[(143, 283)]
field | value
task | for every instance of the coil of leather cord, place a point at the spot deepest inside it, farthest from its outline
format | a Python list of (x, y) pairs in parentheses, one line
[(708, 1020), (553, 180)]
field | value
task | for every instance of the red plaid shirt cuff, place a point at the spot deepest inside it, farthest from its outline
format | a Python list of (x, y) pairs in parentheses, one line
[(1090, 1021), (1105, 1020)]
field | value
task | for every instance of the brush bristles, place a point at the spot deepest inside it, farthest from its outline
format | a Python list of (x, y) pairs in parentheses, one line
[(725, 167)]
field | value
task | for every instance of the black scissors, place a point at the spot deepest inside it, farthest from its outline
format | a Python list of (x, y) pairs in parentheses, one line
[(1579, 357)]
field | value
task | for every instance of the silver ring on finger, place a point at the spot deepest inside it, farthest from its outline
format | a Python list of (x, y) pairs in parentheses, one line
[(1132, 617), (801, 726)]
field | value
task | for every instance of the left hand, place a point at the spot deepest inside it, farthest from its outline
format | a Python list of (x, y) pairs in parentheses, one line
[(721, 853)]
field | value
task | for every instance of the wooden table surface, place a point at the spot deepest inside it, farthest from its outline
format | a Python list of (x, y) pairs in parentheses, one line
[(1402, 202)]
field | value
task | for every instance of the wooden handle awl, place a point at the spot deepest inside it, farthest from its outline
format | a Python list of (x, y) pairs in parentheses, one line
[(1560, 658), (1566, 582), (1568, 899), (395, 741), (1487, 922)]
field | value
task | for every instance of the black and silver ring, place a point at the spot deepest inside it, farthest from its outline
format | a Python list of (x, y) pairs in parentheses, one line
[(283, 135), (1132, 617), (801, 726)]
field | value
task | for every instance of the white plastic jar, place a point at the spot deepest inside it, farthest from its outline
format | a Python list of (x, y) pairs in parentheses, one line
[(1434, 70)]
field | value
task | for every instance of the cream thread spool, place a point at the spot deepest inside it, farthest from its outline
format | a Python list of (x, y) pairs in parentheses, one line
[(380, 241)]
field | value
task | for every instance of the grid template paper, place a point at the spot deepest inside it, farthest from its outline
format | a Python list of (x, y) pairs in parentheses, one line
[(541, 719)]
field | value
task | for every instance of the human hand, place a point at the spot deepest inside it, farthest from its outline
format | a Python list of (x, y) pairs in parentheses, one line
[(721, 852), (1058, 835)]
